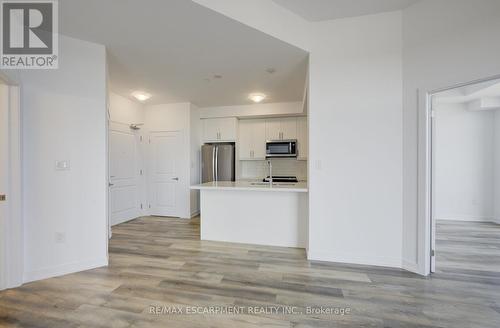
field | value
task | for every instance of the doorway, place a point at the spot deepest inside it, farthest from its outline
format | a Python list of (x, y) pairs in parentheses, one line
[(11, 233), (165, 162), (126, 173), (465, 179)]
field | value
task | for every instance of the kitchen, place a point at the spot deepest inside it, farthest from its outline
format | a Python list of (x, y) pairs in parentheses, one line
[(254, 180)]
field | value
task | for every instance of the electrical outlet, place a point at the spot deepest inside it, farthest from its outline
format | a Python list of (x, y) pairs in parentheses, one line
[(60, 237), (62, 165)]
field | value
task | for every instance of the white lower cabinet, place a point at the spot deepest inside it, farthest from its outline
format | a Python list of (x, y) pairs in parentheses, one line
[(252, 140)]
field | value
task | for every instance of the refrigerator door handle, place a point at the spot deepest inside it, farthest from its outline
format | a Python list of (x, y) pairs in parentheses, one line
[(213, 164), (216, 163)]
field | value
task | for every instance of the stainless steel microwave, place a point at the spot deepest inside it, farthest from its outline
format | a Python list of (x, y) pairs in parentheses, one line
[(281, 148)]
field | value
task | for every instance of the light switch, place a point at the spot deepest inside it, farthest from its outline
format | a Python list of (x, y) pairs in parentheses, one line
[(62, 165), (60, 237), (318, 165)]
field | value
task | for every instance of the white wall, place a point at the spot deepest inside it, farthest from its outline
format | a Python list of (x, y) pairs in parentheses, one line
[(445, 42), (254, 110), (355, 128), (496, 163), (464, 170), (125, 111), (64, 118), (355, 109)]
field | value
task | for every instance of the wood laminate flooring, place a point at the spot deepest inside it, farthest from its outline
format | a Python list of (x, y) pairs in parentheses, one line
[(161, 262)]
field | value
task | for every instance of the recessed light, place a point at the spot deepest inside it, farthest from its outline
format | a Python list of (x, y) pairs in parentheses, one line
[(257, 97), (141, 95)]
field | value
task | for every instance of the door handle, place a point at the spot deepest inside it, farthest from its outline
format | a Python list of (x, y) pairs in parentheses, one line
[(176, 179), (111, 184), (3, 198)]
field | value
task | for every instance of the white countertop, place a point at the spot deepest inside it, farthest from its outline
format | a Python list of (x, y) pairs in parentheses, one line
[(253, 185)]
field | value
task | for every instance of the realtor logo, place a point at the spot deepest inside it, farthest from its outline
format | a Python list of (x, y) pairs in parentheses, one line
[(29, 38)]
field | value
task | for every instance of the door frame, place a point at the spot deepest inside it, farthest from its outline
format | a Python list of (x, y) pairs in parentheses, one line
[(139, 165), (12, 236), (149, 176), (427, 206)]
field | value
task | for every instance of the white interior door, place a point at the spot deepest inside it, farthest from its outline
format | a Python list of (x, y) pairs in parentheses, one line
[(125, 173), (164, 168), (4, 172), (11, 228)]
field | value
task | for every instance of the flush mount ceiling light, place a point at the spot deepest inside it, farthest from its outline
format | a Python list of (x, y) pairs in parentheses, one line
[(257, 97), (141, 95)]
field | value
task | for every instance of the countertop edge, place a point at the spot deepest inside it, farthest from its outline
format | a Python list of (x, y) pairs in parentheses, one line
[(277, 189)]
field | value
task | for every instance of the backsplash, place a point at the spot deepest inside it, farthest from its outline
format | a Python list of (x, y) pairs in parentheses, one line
[(260, 169)]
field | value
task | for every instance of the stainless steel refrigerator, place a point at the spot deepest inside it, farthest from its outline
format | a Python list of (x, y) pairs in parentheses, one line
[(217, 162)]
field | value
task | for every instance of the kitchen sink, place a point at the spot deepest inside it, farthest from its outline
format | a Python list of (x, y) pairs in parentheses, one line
[(274, 184)]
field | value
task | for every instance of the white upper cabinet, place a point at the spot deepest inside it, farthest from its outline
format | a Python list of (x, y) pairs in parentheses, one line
[(302, 138), (289, 128), (273, 129), (252, 140), (281, 128), (219, 129)]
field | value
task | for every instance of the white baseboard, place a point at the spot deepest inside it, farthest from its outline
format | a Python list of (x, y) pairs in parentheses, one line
[(469, 219), (411, 266), (63, 269), (123, 220), (315, 255)]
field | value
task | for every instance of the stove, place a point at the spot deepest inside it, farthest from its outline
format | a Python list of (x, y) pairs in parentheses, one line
[(282, 178)]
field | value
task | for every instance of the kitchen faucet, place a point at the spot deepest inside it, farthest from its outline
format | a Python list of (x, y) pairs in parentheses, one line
[(270, 172)]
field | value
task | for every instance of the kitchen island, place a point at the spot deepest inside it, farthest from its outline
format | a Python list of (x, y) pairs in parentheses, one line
[(254, 212)]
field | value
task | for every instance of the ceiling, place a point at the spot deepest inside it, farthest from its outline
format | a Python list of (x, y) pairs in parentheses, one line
[(484, 95), (320, 10), (180, 51), (470, 92)]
